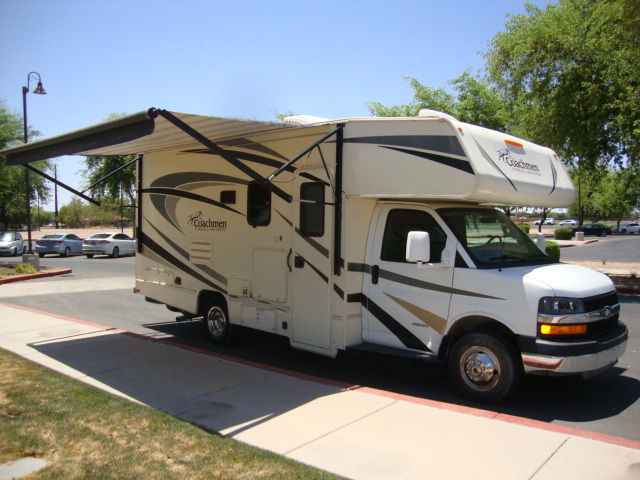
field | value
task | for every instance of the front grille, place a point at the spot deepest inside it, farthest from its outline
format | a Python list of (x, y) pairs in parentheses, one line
[(599, 302)]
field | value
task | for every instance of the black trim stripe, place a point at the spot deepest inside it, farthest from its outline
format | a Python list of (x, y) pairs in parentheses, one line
[(317, 270), (407, 338), (456, 163), (448, 144), (414, 282)]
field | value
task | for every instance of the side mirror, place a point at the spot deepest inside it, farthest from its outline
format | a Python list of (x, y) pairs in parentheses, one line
[(418, 247)]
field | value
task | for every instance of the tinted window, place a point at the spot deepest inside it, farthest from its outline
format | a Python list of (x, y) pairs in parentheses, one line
[(312, 214), (399, 223), (258, 205)]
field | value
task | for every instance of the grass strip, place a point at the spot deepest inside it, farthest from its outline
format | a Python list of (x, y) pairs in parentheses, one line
[(90, 434)]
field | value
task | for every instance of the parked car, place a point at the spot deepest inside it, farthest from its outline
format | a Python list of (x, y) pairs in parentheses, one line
[(63, 244), (11, 243), (113, 244), (594, 229), (547, 221), (569, 222), (631, 228)]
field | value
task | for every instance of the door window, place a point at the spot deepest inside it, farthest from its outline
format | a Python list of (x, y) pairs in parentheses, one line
[(312, 214), (258, 205), (402, 221)]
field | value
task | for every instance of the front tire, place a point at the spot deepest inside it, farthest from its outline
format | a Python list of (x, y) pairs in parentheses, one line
[(217, 325), (485, 367), (603, 234), (88, 255)]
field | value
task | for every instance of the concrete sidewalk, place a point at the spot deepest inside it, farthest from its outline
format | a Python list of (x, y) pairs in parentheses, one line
[(356, 432)]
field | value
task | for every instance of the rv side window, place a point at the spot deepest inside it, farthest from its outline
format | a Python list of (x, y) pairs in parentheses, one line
[(258, 205), (312, 214), (402, 221)]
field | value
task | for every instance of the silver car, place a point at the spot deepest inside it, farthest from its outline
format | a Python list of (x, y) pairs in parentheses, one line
[(63, 244), (113, 244), (11, 243)]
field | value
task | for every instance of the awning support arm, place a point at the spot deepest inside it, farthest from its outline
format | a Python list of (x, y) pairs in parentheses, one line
[(111, 173), (59, 183), (303, 153), (225, 154)]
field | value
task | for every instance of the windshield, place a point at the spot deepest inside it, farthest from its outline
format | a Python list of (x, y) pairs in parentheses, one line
[(492, 239), (7, 237)]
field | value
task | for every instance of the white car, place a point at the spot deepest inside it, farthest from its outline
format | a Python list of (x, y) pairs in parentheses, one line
[(569, 222), (631, 228), (11, 243), (113, 244), (548, 221)]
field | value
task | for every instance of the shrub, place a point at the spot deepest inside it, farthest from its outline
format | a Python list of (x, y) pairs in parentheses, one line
[(563, 233), (525, 226), (25, 268), (553, 250)]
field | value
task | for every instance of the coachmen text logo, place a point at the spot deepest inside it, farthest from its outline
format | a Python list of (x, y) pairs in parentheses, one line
[(523, 167), (207, 225)]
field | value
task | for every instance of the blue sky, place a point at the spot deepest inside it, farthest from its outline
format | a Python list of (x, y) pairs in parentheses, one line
[(242, 58)]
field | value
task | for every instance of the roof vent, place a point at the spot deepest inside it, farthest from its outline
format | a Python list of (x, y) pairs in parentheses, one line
[(425, 112), (304, 120)]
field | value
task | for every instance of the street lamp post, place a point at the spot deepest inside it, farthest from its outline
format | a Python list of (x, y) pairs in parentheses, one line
[(39, 90)]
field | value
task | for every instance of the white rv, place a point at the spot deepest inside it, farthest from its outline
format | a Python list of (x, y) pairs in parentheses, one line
[(373, 234)]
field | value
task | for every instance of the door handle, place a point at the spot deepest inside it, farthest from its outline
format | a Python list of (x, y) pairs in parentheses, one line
[(375, 274)]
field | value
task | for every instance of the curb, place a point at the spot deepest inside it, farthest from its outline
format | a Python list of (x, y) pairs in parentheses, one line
[(19, 278)]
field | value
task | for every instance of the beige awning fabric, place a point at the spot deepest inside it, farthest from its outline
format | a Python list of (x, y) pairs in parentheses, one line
[(141, 132)]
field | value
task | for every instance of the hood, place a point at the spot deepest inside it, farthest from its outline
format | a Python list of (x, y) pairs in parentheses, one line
[(567, 280)]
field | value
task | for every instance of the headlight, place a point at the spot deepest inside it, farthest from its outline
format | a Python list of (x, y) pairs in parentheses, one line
[(560, 306)]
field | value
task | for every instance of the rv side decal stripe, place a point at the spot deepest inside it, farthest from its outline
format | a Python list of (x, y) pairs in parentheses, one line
[(456, 163), (260, 160), (180, 179), (157, 249), (320, 274), (491, 162), (322, 250), (185, 255), (413, 282), (407, 338), (191, 196), (437, 143)]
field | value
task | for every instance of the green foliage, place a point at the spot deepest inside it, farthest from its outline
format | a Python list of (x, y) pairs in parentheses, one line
[(475, 102), (553, 250), (79, 214), (12, 179), (121, 183), (525, 226), (572, 75), (563, 233), (25, 269)]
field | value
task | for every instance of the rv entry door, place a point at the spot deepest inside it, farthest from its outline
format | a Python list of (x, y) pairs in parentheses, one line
[(312, 263)]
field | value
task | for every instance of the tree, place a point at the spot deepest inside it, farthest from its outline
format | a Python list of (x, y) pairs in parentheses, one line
[(13, 209), (98, 167), (72, 214), (571, 74), (475, 101)]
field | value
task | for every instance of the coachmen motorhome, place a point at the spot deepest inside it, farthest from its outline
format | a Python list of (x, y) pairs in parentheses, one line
[(372, 234)]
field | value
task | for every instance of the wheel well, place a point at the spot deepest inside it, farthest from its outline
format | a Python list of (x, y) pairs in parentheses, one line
[(206, 297), (473, 324)]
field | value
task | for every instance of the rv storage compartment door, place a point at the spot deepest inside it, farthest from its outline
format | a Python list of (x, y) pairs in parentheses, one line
[(269, 275)]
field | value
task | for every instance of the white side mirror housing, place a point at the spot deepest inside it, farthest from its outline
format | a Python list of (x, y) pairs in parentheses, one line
[(418, 247)]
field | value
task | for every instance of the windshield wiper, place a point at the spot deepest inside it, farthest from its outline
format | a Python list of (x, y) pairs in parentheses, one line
[(531, 260)]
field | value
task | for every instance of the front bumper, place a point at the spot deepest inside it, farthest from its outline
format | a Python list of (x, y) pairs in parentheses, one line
[(547, 357)]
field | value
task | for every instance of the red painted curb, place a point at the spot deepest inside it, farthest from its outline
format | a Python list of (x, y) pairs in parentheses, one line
[(477, 412), (33, 276)]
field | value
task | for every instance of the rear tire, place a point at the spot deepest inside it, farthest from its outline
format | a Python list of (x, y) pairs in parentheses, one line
[(485, 367), (215, 320), (88, 255), (66, 253), (41, 255), (116, 252)]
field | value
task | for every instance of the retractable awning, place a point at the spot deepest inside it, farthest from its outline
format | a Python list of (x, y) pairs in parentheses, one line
[(142, 132)]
